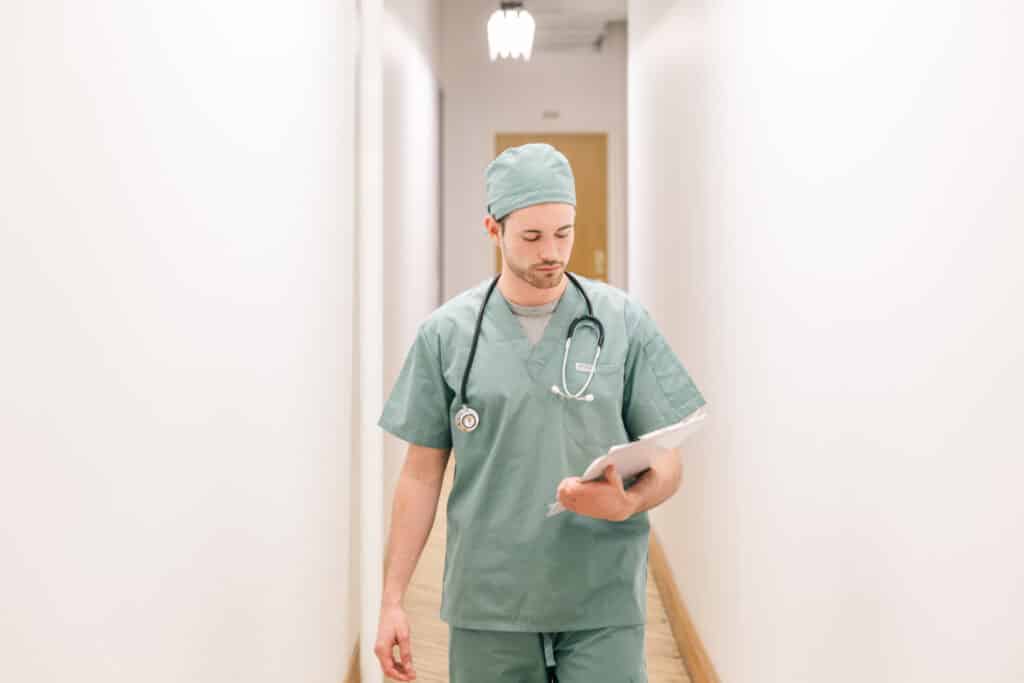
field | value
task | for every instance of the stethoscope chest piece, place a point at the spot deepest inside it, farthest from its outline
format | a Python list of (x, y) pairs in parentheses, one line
[(467, 419)]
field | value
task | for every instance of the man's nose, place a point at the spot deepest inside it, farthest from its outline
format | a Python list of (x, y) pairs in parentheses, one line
[(549, 251)]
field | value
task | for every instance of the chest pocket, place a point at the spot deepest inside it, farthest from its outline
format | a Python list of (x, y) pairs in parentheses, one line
[(608, 378), (594, 425)]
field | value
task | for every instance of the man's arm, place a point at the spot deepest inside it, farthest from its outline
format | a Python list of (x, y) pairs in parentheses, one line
[(657, 484), (412, 516)]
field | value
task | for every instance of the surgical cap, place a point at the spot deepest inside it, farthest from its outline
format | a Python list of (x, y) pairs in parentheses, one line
[(535, 173)]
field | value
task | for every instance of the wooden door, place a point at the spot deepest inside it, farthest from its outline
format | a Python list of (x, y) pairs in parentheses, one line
[(588, 155)]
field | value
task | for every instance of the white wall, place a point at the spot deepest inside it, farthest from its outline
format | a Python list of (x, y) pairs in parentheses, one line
[(412, 259), (411, 233), (483, 98), (175, 252), (414, 25), (826, 208), (410, 128)]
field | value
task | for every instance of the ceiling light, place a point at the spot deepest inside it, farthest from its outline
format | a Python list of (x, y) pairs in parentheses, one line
[(510, 32)]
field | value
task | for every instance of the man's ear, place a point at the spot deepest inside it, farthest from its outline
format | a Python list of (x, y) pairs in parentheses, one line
[(493, 229)]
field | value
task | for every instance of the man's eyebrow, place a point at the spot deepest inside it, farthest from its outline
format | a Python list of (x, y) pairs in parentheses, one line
[(556, 229)]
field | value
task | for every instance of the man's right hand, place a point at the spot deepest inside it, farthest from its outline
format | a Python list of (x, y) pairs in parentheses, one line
[(394, 630)]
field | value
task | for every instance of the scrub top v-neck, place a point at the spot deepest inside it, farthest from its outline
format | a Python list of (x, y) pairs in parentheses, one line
[(508, 566), (534, 319)]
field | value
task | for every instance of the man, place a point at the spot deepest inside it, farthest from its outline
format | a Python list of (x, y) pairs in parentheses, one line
[(527, 596)]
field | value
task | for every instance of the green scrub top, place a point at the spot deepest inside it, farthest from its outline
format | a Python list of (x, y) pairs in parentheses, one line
[(508, 566)]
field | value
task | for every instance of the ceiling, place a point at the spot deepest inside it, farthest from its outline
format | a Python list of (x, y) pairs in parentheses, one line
[(564, 26)]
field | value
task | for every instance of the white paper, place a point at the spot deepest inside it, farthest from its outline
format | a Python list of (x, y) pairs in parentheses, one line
[(635, 457)]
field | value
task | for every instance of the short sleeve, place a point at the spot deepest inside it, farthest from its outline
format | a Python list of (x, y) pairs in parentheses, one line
[(417, 409), (658, 390)]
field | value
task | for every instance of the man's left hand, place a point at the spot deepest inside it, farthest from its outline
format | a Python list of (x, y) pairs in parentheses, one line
[(602, 499)]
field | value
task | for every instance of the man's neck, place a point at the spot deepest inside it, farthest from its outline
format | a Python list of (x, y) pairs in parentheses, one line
[(522, 293)]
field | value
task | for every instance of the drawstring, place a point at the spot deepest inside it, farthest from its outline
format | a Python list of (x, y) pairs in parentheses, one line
[(549, 657)]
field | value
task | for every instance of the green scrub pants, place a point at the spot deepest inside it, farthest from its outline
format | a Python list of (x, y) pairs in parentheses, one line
[(605, 655)]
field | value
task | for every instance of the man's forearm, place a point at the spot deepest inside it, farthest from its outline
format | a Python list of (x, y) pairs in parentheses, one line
[(412, 516), (657, 484)]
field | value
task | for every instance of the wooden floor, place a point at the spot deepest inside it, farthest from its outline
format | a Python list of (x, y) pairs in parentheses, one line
[(429, 635)]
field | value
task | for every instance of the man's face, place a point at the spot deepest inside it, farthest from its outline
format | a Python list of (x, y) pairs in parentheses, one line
[(537, 238)]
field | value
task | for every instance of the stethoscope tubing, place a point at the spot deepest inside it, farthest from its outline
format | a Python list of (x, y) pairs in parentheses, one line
[(476, 338), (467, 419)]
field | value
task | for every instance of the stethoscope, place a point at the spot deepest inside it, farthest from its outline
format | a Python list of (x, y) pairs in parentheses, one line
[(467, 419)]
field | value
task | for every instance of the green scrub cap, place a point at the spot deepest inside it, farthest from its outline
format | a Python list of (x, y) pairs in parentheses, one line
[(536, 173)]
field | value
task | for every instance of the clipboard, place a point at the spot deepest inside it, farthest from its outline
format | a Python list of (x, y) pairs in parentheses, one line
[(636, 456)]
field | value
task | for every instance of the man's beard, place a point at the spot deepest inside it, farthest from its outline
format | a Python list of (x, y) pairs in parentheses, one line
[(537, 278)]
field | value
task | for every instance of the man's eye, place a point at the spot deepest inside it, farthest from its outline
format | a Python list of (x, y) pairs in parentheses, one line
[(561, 236)]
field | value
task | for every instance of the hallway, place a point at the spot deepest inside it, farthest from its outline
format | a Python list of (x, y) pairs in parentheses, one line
[(223, 223)]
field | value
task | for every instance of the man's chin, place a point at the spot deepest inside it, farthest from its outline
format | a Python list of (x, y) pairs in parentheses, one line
[(546, 279)]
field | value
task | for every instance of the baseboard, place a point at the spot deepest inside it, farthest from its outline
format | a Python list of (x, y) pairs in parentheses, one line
[(691, 649), (353, 665)]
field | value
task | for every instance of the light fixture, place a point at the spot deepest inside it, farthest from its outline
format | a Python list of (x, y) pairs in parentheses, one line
[(510, 32)]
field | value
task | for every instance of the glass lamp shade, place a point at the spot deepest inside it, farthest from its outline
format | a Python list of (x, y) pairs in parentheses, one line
[(510, 34)]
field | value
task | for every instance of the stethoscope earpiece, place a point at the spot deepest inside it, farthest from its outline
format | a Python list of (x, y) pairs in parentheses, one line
[(558, 392)]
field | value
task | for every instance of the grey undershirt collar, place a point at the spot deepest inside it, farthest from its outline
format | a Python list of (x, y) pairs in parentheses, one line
[(534, 319), (543, 309)]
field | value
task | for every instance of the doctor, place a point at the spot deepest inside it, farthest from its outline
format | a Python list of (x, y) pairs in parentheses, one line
[(529, 597)]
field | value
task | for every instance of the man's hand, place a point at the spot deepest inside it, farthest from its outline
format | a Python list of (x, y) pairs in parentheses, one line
[(603, 499), (394, 630)]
